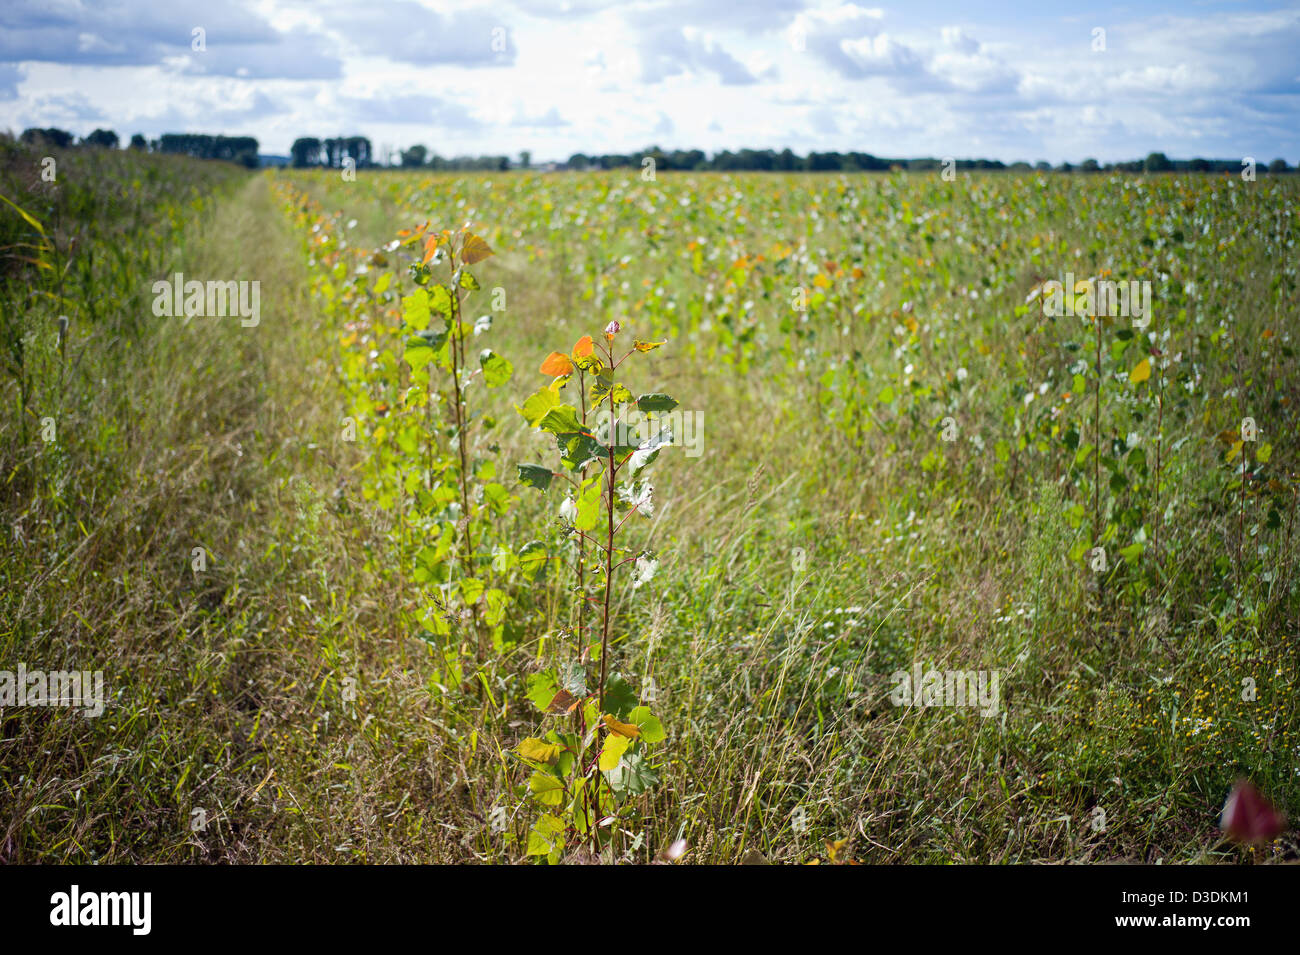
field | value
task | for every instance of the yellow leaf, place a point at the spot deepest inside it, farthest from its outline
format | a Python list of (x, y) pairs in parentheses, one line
[(474, 250), (623, 729), (615, 747), (647, 346), (540, 750), (1234, 451), (1141, 372), (557, 364)]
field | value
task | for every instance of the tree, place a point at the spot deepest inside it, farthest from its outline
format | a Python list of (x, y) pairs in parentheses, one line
[(525, 159), (1277, 165), (306, 152), (58, 138), (240, 149), (138, 142), (1090, 165), (415, 156), (102, 139), (1157, 162)]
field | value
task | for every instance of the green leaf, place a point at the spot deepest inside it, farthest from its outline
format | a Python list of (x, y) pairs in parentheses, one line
[(415, 310), (652, 731), (496, 602), (545, 788), (573, 677), (1132, 552), (588, 502), (656, 403), (561, 419), (496, 370), (546, 836), (497, 498), (471, 589), (632, 776), (541, 686), (535, 475), (578, 449), (620, 698), (418, 353), (440, 300), (428, 346), (468, 281), (538, 405), (532, 562)]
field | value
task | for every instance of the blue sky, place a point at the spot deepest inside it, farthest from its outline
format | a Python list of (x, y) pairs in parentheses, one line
[(1009, 80)]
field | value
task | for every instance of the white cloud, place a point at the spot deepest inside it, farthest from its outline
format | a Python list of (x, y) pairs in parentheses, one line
[(563, 76)]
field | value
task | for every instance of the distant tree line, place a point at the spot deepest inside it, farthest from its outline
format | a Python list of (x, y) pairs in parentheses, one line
[(332, 153), (240, 149), (786, 160), (768, 160), (417, 157)]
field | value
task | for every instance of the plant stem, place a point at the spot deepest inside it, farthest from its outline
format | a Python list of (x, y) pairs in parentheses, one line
[(609, 552), (457, 363), (582, 538), (1160, 434), (1096, 461)]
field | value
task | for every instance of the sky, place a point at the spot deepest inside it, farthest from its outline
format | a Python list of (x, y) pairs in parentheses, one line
[(1005, 80)]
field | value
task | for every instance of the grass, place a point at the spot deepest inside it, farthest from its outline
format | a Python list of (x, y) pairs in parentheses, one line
[(818, 545)]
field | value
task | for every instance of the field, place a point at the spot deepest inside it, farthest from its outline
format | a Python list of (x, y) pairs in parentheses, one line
[(338, 622)]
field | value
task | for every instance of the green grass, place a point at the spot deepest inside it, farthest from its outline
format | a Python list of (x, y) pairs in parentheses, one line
[(230, 688)]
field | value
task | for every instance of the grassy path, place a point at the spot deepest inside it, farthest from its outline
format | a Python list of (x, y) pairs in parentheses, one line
[(226, 737)]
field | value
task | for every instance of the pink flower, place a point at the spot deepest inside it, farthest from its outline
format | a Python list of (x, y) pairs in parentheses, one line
[(1249, 817)]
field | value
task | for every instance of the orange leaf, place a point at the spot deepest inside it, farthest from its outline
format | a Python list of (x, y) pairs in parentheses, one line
[(474, 250), (583, 348), (430, 247), (622, 729), (557, 364), (562, 702)]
